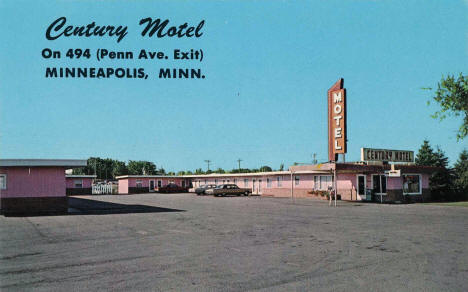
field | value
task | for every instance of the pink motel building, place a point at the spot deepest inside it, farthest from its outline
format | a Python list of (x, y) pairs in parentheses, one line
[(78, 184), (135, 184), (353, 179), (34, 185), (355, 182)]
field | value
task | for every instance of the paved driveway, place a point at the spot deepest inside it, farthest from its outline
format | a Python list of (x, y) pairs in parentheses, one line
[(181, 242)]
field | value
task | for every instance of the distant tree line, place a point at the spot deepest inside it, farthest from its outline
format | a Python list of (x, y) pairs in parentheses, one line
[(264, 168), (447, 183), (108, 169)]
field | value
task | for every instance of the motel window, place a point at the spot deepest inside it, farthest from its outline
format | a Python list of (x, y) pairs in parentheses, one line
[(412, 184), (3, 183), (268, 183), (139, 183), (246, 182), (278, 180), (159, 183), (78, 183), (323, 182), (379, 184), (296, 180)]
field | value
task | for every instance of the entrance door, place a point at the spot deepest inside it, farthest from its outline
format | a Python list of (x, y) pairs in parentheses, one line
[(361, 187), (151, 186), (254, 186), (379, 184), (259, 187)]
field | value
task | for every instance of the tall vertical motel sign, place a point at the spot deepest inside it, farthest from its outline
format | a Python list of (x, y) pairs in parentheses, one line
[(336, 120)]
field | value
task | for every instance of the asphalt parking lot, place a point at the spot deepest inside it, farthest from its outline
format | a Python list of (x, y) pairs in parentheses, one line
[(181, 242)]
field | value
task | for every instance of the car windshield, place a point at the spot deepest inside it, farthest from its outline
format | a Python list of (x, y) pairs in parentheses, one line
[(202, 186), (220, 186)]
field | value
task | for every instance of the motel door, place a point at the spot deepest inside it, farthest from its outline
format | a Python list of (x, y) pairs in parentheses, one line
[(254, 186), (361, 187), (151, 186), (259, 191)]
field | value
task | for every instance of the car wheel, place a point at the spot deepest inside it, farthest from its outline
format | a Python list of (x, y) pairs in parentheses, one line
[(246, 193)]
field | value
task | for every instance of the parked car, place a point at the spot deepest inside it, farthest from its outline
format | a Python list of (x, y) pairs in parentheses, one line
[(202, 189), (228, 189), (171, 188)]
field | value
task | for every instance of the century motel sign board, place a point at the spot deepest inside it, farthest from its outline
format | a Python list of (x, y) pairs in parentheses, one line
[(336, 120), (369, 154)]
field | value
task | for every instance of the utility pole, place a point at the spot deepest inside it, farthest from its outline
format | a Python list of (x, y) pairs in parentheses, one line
[(315, 158), (239, 161), (208, 162)]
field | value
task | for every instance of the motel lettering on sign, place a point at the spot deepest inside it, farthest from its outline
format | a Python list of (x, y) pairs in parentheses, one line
[(336, 120), (369, 154)]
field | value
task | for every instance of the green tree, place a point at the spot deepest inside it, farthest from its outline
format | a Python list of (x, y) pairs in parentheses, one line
[(141, 167), (119, 168), (265, 168), (219, 170), (426, 155), (441, 181), (461, 175), (452, 96), (199, 171), (281, 167)]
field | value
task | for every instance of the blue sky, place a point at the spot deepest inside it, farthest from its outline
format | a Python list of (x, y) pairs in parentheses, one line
[(268, 66)]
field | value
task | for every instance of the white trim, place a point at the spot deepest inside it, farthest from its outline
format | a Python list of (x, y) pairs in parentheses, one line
[(149, 185), (420, 183), (357, 185), (146, 176), (4, 175), (44, 162)]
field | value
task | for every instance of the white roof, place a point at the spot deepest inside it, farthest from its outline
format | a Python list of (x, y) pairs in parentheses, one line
[(70, 163), (285, 172), (147, 176), (81, 175)]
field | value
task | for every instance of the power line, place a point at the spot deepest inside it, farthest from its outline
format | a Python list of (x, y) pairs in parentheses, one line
[(208, 162), (239, 161)]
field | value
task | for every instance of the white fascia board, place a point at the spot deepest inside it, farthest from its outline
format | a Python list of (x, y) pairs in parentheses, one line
[(70, 163)]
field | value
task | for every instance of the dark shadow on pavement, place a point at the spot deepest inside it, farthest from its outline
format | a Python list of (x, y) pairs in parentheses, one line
[(79, 206)]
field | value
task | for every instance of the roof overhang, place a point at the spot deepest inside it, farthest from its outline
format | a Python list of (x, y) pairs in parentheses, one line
[(81, 176), (68, 163)]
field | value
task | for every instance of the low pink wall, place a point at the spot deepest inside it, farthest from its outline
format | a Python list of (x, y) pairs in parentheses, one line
[(34, 182), (123, 186), (87, 182)]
